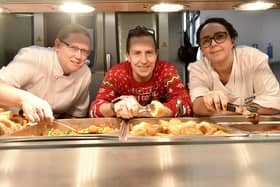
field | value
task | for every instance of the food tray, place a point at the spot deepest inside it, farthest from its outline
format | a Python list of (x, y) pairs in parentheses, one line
[(230, 131), (262, 128), (240, 118), (41, 129)]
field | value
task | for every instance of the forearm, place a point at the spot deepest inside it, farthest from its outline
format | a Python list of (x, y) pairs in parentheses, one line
[(10, 96), (265, 110), (100, 108), (199, 107), (107, 110), (35, 108)]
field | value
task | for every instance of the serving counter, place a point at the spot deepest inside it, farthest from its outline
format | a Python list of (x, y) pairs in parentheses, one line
[(247, 159)]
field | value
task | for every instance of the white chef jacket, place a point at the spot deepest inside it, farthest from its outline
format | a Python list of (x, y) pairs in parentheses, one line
[(37, 70), (251, 79)]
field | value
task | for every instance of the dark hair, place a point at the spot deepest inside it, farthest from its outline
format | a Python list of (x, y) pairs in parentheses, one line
[(139, 31), (231, 30), (66, 30)]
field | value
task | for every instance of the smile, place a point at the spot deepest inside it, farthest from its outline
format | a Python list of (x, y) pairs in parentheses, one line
[(143, 68), (76, 62), (215, 52)]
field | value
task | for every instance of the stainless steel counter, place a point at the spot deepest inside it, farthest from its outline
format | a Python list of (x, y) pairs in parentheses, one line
[(251, 161)]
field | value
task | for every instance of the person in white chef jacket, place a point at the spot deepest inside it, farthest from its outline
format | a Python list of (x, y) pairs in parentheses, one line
[(228, 74), (50, 82)]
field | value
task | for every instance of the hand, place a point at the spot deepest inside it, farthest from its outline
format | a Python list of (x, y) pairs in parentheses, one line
[(157, 109), (127, 107), (36, 109), (215, 101)]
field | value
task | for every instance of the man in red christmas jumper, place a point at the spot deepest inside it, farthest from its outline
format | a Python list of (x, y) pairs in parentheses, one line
[(142, 79)]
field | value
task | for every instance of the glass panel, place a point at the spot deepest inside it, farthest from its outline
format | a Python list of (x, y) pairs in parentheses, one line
[(89, 21), (127, 21), (15, 32), (52, 27)]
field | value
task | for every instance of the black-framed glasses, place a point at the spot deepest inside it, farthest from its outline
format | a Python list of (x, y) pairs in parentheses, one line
[(75, 49), (219, 37)]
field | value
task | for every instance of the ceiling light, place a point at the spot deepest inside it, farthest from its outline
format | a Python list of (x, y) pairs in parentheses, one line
[(167, 7), (75, 7), (4, 10), (24, 15), (257, 5)]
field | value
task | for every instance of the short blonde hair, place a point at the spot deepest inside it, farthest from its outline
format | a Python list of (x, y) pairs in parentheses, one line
[(66, 30)]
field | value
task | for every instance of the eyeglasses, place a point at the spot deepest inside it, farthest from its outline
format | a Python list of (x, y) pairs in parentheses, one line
[(75, 49), (219, 37)]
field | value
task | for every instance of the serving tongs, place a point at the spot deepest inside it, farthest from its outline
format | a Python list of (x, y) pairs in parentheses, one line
[(148, 108), (251, 112), (65, 125), (124, 129), (51, 123), (124, 126)]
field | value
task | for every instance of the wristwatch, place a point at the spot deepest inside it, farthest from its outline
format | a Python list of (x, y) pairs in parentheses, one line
[(112, 104)]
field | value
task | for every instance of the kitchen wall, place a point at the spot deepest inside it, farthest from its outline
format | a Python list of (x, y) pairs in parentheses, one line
[(127, 21), (259, 27), (15, 33), (1, 40), (175, 40), (254, 27)]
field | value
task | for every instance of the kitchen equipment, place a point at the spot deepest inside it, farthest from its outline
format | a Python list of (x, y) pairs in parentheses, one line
[(124, 129), (42, 128), (248, 110), (148, 108), (64, 124)]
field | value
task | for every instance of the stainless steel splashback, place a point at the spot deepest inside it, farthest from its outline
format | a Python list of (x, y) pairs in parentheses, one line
[(85, 163)]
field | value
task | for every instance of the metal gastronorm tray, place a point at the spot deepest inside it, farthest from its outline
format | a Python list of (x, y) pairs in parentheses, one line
[(232, 131), (78, 123)]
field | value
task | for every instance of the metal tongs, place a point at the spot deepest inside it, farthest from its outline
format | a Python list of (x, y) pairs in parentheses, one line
[(249, 111), (124, 128), (50, 123), (65, 125), (148, 108), (180, 108)]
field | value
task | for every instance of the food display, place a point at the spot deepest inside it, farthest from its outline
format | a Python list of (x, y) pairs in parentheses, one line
[(11, 122), (92, 129), (267, 129), (176, 127), (72, 127), (157, 109)]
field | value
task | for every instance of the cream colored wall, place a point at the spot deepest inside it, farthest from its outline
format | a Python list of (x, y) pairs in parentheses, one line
[(127, 21), (38, 36), (258, 27), (1, 39), (16, 32)]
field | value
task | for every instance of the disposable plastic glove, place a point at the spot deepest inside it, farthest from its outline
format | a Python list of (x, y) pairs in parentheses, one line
[(36, 109), (127, 106)]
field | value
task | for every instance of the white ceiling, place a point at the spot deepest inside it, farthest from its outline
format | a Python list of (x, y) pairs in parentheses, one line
[(116, 5)]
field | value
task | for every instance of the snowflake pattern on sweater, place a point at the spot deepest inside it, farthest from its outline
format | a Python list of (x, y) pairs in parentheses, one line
[(165, 86)]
